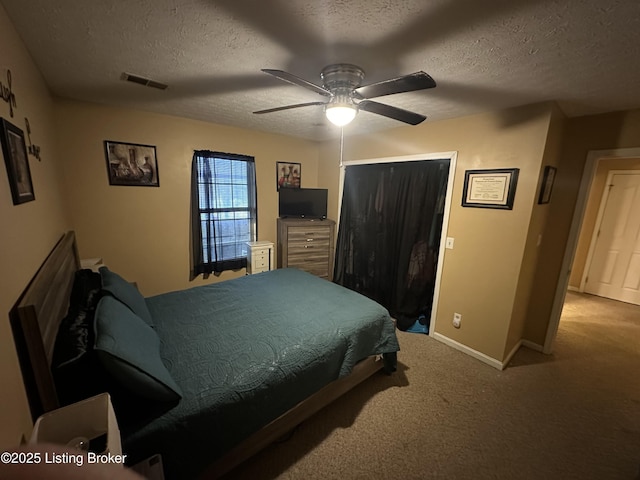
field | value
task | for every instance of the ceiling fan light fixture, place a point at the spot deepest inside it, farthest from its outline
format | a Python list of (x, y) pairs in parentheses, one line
[(342, 84), (340, 114)]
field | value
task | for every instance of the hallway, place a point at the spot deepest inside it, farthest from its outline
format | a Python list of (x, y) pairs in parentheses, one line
[(613, 326)]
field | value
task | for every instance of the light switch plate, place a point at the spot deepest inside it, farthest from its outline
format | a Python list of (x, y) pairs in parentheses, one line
[(449, 243)]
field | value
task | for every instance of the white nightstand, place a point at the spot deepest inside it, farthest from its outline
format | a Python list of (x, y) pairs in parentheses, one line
[(92, 420), (91, 263), (260, 257), (150, 468)]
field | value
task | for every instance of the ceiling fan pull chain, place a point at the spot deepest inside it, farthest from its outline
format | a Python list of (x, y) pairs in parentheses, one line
[(341, 145)]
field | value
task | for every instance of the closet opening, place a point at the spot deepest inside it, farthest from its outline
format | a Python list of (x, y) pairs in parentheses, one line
[(393, 217)]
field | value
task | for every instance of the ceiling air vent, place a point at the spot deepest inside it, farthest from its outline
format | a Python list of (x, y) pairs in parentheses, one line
[(147, 82)]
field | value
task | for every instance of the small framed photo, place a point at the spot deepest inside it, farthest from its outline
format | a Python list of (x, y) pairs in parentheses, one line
[(547, 184), (131, 164), (15, 158), (288, 175), (490, 188)]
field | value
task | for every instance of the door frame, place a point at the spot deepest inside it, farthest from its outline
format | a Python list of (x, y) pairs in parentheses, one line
[(599, 218), (452, 157), (588, 174)]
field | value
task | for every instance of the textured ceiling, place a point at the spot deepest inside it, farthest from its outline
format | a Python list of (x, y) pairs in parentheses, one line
[(484, 55)]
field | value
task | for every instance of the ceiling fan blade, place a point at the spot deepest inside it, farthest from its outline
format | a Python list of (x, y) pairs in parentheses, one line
[(407, 83), (289, 77), (391, 112), (287, 107)]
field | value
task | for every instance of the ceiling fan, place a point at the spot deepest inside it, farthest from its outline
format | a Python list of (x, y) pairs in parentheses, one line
[(341, 83)]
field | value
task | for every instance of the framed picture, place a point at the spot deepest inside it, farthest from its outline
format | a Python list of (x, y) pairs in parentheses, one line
[(131, 164), (16, 160), (288, 175), (490, 188), (547, 184)]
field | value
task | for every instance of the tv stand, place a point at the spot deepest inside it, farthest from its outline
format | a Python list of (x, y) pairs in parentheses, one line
[(307, 244)]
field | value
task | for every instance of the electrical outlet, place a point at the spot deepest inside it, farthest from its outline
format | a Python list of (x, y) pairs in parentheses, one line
[(457, 319)]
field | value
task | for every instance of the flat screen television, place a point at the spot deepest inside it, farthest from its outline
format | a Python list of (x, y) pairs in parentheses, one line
[(303, 202)]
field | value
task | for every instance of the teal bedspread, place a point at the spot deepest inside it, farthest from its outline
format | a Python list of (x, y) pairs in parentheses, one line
[(244, 351)]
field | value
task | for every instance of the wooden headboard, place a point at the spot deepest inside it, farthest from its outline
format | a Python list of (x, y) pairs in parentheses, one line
[(35, 320)]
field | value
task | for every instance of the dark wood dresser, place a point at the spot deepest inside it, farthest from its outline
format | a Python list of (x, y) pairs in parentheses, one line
[(307, 244)]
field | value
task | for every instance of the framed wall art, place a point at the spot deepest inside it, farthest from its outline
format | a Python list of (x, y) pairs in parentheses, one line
[(16, 160), (547, 184), (494, 188), (131, 164), (288, 175)]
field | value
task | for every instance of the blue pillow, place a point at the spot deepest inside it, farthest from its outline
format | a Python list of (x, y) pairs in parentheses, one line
[(129, 350), (127, 293), (73, 356)]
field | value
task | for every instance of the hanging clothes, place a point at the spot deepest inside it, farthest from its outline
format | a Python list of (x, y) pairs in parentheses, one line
[(389, 235)]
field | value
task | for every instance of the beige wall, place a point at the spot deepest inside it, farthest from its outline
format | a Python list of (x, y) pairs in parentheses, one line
[(533, 275), (581, 135), (29, 230), (143, 232), (329, 173), (480, 275), (591, 212)]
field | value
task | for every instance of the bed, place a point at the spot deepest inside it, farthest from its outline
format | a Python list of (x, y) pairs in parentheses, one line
[(240, 362)]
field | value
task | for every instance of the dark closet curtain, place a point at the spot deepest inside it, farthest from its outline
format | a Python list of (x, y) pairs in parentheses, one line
[(389, 234)]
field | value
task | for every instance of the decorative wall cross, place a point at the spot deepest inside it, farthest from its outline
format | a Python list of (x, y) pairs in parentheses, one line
[(7, 94), (33, 149)]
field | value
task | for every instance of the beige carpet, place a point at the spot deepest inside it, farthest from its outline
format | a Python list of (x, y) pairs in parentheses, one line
[(444, 415)]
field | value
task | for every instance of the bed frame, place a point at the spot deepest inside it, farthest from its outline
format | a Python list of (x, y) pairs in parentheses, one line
[(35, 321)]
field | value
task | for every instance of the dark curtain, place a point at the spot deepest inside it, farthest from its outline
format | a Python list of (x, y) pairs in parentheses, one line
[(223, 211), (389, 234)]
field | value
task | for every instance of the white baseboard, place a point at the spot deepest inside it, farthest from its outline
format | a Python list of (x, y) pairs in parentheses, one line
[(532, 346), (511, 354), (573, 289), (469, 351), (486, 358)]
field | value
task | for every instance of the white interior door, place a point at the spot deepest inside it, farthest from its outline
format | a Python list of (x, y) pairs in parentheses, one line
[(614, 271)]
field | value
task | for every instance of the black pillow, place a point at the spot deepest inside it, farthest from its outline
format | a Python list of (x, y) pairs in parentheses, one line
[(74, 365)]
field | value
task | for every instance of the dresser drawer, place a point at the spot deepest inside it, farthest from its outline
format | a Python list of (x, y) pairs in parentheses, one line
[(260, 262), (302, 234), (260, 258), (316, 257), (309, 247), (316, 267)]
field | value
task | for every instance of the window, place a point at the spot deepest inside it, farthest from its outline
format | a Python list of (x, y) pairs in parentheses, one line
[(224, 211)]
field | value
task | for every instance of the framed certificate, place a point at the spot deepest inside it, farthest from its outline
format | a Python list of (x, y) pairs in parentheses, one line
[(490, 188)]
